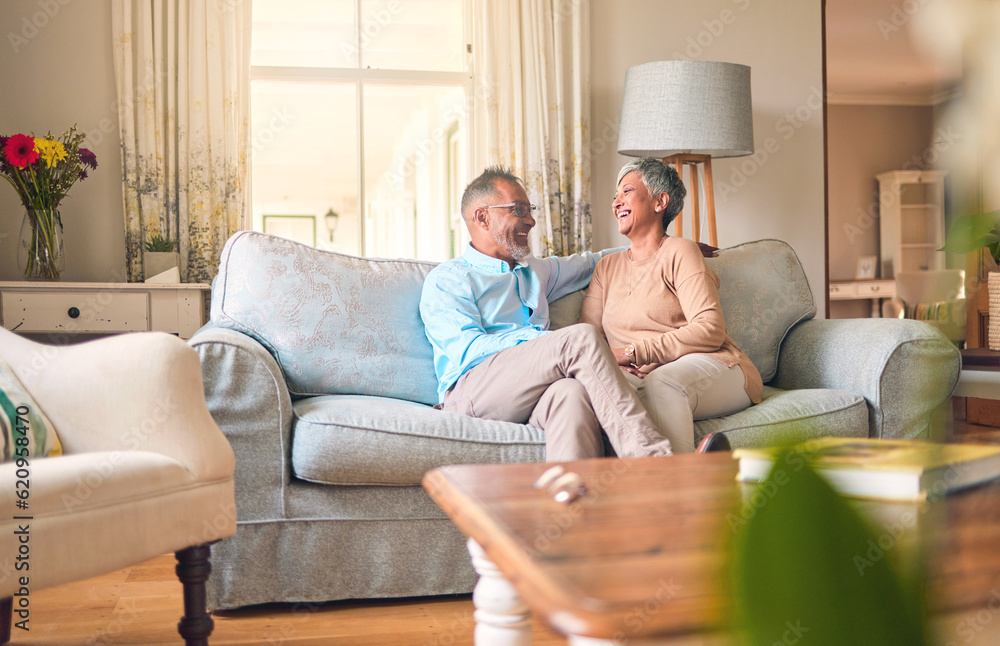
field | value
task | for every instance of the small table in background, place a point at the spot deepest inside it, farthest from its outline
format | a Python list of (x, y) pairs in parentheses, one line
[(102, 308), (874, 290)]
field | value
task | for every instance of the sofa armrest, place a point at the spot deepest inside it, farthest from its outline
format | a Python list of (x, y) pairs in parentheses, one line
[(133, 392), (247, 396), (904, 369)]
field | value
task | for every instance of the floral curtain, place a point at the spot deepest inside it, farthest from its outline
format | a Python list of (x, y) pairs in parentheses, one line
[(182, 74), (533, 112)]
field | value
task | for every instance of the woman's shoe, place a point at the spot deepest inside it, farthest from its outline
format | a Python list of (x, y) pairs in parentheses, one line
[(714, 442)]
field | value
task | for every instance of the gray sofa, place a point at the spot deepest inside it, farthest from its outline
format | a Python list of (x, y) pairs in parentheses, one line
[(317, 370)]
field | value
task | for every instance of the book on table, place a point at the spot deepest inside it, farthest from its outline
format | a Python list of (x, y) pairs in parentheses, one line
[(887, 469)]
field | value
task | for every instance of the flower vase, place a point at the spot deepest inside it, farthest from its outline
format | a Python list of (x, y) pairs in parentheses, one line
[(40, 246)]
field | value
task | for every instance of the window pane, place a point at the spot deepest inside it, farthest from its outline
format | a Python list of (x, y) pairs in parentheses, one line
[(304, 33), (413, 35), (412, 138), (305, 158)]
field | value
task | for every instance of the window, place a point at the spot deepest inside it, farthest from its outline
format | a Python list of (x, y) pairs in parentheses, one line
[(363, 108)]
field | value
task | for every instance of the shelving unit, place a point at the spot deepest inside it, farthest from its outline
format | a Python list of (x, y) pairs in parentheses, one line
[(911, 220)]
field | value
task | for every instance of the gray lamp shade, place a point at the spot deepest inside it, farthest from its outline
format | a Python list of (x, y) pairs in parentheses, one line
[(673, 107)]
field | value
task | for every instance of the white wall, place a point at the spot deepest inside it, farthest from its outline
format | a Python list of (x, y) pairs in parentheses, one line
[(63, 74), (777, 193), (56, 70)]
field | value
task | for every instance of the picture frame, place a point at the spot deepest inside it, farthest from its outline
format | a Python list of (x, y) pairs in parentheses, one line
[(866, 267), (300, 228)]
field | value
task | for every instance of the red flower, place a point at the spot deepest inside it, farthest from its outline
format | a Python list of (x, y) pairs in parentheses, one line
[(87, 158), (20, 151)]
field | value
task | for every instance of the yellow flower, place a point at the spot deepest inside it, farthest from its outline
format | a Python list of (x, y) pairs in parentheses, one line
[(51, 151)]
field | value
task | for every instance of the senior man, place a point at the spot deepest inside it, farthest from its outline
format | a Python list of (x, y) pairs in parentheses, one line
[(486, 315)]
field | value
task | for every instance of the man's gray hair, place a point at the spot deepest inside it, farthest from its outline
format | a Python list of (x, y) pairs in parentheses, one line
[(658, 178), (482, 187)]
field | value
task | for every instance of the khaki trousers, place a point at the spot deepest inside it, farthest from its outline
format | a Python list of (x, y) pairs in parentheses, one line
[(689, 388), (568, 384)]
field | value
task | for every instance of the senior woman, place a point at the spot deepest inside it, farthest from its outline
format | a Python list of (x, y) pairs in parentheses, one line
[(657, 304)]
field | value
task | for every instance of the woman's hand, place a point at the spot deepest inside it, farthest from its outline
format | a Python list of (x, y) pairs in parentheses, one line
[(625, 364), (632, 369), (621, 357)]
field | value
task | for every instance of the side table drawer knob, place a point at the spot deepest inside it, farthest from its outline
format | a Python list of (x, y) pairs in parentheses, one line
[(74, 313)]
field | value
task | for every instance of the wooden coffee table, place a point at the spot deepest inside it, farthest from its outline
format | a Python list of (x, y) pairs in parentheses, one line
[(643, 556)]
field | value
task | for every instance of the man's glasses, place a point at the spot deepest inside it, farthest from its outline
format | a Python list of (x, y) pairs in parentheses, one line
[(519, 209)]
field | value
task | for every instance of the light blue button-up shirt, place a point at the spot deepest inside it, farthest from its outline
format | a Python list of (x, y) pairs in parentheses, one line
[(475, 306)]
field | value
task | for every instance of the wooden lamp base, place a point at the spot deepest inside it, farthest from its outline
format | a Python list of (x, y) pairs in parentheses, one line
[(692, 161)]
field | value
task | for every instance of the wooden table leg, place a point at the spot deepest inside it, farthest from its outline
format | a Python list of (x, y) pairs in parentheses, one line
[(501, 616)]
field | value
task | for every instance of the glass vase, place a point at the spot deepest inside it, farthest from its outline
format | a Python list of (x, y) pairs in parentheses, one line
[(40, 245)]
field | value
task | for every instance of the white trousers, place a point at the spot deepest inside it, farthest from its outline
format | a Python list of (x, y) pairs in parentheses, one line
[(689, 388), (567, 383)]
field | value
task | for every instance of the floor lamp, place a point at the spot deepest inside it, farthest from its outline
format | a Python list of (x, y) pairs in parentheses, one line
[(687, 112)]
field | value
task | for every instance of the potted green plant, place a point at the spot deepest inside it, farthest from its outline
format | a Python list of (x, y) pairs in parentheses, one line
[(161, 255), (973, 232)]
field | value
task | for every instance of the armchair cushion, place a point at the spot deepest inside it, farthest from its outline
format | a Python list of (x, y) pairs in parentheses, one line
[(145, 469), (22, 419)]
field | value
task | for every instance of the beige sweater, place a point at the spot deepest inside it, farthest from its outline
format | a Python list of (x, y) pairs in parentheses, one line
[(667, 306)]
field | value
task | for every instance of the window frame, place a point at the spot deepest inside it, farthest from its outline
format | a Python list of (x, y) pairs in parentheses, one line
[(361, 77)]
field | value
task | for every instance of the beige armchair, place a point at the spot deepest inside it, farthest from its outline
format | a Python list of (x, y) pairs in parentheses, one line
[(145, 470), (936, 297)]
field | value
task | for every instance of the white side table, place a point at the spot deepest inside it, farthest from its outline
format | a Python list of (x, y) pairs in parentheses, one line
[(875, 290), (102, 308)]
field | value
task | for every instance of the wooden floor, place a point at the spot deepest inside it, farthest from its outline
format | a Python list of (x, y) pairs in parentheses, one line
[(142, 604)]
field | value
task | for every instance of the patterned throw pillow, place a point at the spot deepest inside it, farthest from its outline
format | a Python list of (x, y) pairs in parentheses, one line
[(22, 423), (941, 311)]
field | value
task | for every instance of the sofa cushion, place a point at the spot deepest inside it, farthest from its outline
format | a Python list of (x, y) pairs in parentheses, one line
[(764, 293), (359, 440), (335, 323), (792, 414), (566, 311)]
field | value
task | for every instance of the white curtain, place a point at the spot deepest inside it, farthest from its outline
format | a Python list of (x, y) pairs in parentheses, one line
[(532, 109), (182, 74)]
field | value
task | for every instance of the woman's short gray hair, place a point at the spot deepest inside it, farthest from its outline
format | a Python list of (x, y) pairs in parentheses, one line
[(658, 178)]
